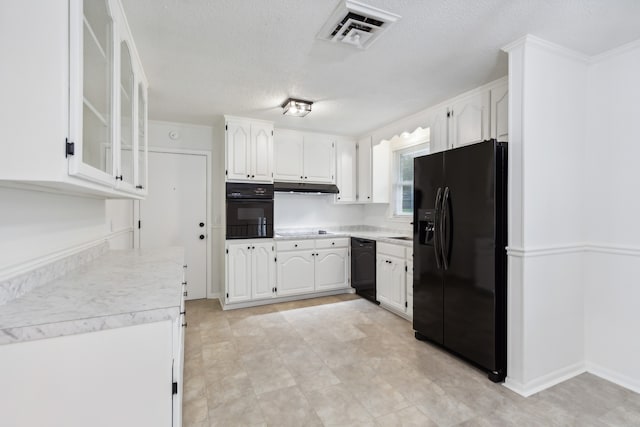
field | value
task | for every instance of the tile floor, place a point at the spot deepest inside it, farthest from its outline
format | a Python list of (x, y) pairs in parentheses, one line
[(342, 361)]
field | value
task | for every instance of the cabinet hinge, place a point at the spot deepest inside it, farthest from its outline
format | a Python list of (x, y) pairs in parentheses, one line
[(227, 250), (226, 127), (119, 178), (271, 133), (139, 224), (70, 148), (333, 145), (226, 172), (227, 294), (272, 248), (406, 304), (406, 268), (275, 259), (174, 388)]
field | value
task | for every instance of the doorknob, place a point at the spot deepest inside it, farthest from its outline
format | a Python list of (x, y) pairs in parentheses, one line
[(202, 237), (201, 224)]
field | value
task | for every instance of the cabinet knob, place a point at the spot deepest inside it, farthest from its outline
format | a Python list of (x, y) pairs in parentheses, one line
[(295, 245), (333, 243), (248, 176), (301, 177), (368, 197), (253, 247), (305, 177), (338, 197), (248, 248), (253, 176), (202, 237), (201, 224)]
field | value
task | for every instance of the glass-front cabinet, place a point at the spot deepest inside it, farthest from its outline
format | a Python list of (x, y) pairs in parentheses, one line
[(108, 105), (73, 100)]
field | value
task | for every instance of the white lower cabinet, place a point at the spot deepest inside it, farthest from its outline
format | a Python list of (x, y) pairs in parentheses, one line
[(251, 272), (392, 281), (331, 268), (295, 272), (308, 266), (409, 261)]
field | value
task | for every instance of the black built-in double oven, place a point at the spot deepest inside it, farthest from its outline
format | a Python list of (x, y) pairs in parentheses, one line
[(249, 211)]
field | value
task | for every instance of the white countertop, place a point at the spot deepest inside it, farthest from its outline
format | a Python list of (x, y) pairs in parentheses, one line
[(379, 236), (120, 288)]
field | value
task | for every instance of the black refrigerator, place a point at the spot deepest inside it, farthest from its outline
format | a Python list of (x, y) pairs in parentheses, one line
[(460, 238)]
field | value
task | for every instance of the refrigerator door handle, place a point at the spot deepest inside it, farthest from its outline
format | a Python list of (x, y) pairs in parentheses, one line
[(436, 240), (444, 223)]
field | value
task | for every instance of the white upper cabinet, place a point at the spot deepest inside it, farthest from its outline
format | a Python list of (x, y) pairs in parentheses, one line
[(249, 148), (84, 101), (364, 181), (319, 159), (288, 156), (439, 131), (346, 160), (469, 120), (304, 157), (500, 112)]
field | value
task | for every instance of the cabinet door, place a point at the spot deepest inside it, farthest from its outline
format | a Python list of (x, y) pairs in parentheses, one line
[(92, 98), (263, 270), (363, 192), (287, 156), (380, 174), (409, 285), (500, 112), (346, 171), (141, 160), (438, 131), (125, 169), (397, 289), (331, 269), (239, 272), (238, 151), (469, 120), (383, 279), (295, 272), (319, 159), (261, 153)]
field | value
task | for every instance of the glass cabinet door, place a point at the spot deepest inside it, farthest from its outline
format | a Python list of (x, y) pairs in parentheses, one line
[(127, 119), (97, 90), (142, 137)]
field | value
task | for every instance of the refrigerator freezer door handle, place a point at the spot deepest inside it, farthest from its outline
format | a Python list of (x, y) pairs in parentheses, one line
[(436, 239), (444, 223)]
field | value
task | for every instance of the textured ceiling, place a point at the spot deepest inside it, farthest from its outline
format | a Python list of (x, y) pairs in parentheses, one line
[(205, 58)]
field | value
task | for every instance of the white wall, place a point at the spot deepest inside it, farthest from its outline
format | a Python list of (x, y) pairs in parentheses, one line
[(612, 317), (313, 211), (548, 94), (36, 224)]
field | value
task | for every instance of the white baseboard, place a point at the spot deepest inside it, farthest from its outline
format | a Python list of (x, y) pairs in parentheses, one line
[(233, 306), (613, 376), (545, 381)]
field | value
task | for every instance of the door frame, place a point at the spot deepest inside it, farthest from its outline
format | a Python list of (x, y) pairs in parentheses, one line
[(136, 208)]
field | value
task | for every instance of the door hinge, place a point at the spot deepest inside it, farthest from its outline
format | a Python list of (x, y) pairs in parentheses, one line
[(174, 388), (70, 148), (139, 224)]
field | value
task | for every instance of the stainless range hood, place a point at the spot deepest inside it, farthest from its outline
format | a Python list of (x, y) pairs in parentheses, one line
[(303, 187)]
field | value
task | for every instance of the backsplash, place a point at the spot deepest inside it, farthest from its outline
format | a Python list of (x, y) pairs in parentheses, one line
[(19, 285)]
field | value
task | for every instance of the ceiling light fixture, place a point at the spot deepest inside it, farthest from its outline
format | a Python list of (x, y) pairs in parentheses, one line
[(296, 107)]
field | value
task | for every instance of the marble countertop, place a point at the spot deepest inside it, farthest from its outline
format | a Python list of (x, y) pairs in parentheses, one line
[(120, 288), (377, 235)]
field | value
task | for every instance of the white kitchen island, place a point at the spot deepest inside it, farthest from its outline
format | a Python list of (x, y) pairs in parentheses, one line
[(102, 345)]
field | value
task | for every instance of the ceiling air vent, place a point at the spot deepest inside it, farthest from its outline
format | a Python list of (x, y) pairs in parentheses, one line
[(356, 24)]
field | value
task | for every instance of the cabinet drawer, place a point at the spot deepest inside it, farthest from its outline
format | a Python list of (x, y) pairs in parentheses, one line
[(294, 245), (332, 243), (389, 249)]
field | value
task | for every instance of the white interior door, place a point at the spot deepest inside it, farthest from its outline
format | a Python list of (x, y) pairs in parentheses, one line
[(175, 212)]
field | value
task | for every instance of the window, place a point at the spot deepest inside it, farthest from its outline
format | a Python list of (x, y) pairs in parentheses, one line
[(403, 188)]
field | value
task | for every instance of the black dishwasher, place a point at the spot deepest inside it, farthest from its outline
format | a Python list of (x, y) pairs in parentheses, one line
[(363, 268)]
